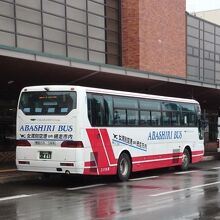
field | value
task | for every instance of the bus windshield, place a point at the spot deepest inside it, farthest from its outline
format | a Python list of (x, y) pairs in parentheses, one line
[(47, 102)]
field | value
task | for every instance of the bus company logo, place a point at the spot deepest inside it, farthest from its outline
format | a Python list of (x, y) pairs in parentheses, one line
[(22, 135), (164, 135), (124, 140), (47, 128)]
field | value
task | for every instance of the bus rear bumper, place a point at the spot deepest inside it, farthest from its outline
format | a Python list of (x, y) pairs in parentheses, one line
[(50, 167)]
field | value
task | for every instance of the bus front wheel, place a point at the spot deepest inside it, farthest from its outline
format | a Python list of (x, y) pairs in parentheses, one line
[(185, 160), (124, 167)]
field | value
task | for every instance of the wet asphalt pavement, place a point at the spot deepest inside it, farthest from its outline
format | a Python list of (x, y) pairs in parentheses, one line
[(160, 194)]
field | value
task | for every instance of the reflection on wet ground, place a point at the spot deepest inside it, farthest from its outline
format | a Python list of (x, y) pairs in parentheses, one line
[(167, 195)]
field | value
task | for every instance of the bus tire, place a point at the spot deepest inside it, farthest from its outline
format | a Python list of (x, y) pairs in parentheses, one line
[(185, 160), (124, 167)]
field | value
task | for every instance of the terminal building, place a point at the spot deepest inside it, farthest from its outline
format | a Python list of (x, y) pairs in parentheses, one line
[(126, 45)]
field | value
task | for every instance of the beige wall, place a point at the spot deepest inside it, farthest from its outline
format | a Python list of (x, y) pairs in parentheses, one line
[(212, 15)]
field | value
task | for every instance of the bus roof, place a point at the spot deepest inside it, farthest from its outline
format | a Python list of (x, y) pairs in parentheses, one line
[(104, 91)]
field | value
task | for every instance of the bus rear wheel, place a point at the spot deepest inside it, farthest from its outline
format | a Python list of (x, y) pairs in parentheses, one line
[(124, 167), (185, 160)]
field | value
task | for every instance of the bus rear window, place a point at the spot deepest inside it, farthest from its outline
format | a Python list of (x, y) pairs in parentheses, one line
[(47, 102)]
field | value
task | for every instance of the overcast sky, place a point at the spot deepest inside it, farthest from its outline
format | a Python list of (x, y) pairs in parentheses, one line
[(202, 5)]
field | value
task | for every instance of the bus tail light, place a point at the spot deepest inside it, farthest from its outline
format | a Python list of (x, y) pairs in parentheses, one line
[(23, 143), (24, 162), (72, 144)]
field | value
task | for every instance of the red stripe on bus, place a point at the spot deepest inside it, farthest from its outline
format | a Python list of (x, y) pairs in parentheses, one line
[(156, 157), (90, 164), (156, 161), (164, 156), (162, 160), (99, 154), (97, 147), (90, 171), (102, 171), (108, 146), (154, 164), (101, 145), (196, 159), (197, 152), (145, 163), (197, 156)]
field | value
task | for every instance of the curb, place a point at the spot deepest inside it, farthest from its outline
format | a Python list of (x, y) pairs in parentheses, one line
[(208, 158), (211, 157), (8, 170), (16, 177)]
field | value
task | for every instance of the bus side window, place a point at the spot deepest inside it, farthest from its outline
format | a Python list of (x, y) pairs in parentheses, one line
[(132, 117), (89, 107), (108, 107), (116, 117), (185, 120), (176, 118), (192, 119), (120, 117), (171, 113), (155, 118), (150, 114), (188, 115), (167, 116), (145, 118), (96, 110), (100, 110)]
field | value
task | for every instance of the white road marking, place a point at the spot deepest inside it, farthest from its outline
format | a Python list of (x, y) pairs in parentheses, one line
[(185, 172), (85, 187), (14, 197), (143, 178), (215, 168), (184, 189)]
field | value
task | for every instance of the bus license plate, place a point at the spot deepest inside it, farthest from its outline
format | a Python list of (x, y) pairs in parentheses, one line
[(45, 155)]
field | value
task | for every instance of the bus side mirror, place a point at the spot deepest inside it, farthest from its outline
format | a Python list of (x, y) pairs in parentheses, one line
[(204, 124), (201, 126)]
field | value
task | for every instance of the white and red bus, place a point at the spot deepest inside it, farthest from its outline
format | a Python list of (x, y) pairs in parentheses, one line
[(90, 131)]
